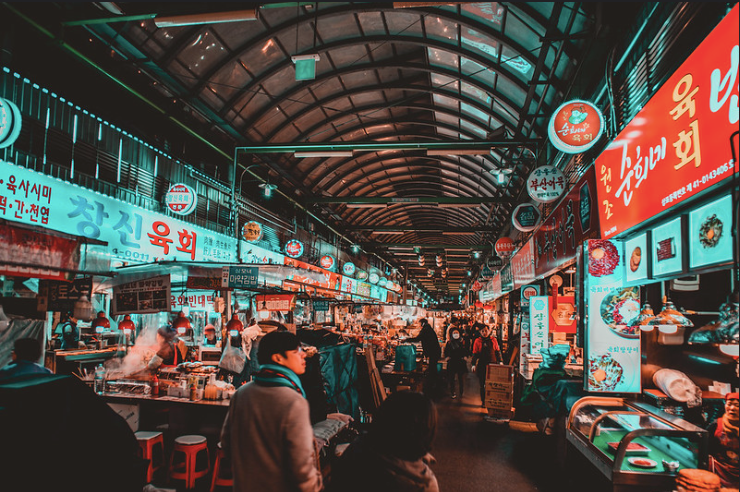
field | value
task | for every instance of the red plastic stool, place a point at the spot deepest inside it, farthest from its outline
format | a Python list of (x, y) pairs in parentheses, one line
[(151, 448), (222, 475), (184, 459)]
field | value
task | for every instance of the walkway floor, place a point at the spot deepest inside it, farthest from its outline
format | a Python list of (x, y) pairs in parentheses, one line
[(476, 455)]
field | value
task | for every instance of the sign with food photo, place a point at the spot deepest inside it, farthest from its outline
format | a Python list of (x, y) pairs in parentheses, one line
[(637, 259), (710, 239), (667, 248), (612, 337)]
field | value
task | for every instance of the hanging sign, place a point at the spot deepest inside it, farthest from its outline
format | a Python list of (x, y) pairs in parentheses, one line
[(612, 348), (10, 123), (526, 217), (528, 291), (563, 313), (181, 199), (539, 323), (504, 247), (667, 250), (39, 253), (150, 295), (678, 145), (522, 265), (374, 278), (294, 248), (476, 286), (275, 302), (575, 126), (320, 306), (348, 268), (486, 273), (328, 262), (362, 275), (239, 277), (63, 295), (574, 220), (546, 184), (495, 262), (252, 231), (507, 279)]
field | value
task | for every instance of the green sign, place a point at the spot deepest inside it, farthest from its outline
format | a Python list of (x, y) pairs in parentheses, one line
[(239, 277), (320, 305)]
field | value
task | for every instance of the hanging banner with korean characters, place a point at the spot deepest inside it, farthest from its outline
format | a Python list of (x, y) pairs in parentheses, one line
[(546, 184), (275, 302), (151, 295), (574, 220), (678, 145), (133, 234), (195, 301), (522, 265), (37, 255), (539, 323), (612, 348)]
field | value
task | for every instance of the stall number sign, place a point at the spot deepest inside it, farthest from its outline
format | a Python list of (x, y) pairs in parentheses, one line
[(237, 277), (539, 323), (546, 184)]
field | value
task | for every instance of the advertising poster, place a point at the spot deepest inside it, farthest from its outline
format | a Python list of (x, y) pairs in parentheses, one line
[(612, 349), (45, 252), (151, 295), (63, 295), (667, 250), (710, 236), (637, 259)]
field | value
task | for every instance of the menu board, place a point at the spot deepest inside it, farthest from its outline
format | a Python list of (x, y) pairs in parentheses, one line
[(507, 279), (667, 248), (710, 233), (612, 348), (678, 145), (522, 265), (637, 259), (150, 295), (539, 323)]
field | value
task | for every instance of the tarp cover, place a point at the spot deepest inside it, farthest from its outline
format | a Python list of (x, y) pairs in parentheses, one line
[(339, 372)]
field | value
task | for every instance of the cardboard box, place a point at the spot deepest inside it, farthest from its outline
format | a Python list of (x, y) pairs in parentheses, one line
[(501, 414), (499, 373), (498, 404), (499, 395)]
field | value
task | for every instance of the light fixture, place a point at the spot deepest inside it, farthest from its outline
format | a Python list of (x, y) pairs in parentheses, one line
[(127, 325), (268, 189), (328, 153), (501, 174), (83, 308), (570, 270), (205, 18), (643, 319), (476, 254), (458, 205), (101, 323), (387, 232), (442, 152), (305, 66), (367, 205), (731, 349), (234, 325)]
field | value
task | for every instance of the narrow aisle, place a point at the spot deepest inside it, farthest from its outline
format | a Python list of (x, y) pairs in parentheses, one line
[(475, 455)]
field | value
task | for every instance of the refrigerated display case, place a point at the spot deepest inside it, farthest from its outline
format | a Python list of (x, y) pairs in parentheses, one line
[(634, 444)]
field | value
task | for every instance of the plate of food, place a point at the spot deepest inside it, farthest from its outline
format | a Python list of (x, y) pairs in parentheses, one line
[(604, 373), (642, 462), (603, 257), (635, 259), (710, 231), (620, 309), (633, 448)]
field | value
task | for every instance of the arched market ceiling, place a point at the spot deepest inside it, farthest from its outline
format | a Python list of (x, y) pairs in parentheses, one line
[(469, 86)]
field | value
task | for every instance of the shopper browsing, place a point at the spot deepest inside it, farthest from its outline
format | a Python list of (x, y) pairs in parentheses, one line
[(267, 432)]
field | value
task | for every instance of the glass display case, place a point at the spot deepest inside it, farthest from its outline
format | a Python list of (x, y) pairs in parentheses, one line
[(634, 444)]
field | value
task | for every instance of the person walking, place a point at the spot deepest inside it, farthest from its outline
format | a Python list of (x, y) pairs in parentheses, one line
[(267, 432), (432, 351), (485, 351), (456, 349), (394, 454)]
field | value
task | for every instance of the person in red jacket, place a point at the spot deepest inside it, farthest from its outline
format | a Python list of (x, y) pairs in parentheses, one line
[(724, 445), (485, 351)]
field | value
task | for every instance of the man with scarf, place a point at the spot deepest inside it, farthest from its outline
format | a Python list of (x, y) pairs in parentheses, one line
[(267, 432), (724, 443)]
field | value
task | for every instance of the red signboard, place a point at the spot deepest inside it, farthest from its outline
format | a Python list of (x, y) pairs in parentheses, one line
[(575, 126), (573, 221), (679, 144), (37, 255), (563, 313), (522, 265), (275, 302)]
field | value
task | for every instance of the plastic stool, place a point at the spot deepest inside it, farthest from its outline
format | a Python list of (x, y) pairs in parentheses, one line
[(187, 449), (151, 448), (222, 475)]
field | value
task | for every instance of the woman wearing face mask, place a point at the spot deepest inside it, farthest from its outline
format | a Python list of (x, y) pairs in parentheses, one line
[(456, 349)]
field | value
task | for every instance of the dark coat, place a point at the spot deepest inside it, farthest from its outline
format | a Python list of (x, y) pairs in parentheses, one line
[(457, 350), (429, 342)]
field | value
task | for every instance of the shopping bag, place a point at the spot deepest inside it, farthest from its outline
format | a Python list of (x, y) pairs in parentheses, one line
[(232, 359), (405, 358)]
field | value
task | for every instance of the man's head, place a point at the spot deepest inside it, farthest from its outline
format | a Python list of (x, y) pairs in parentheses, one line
[(28, 349), (732, 407), (70, 316), (282, 348)]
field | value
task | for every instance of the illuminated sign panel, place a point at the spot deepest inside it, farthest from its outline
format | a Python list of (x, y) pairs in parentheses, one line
[(575, 126), (678, 144), (710, 233)]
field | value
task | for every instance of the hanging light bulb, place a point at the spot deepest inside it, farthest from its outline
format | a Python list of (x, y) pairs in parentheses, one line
[(101, 323), (127, 326), (83, 308), (669, 320), (235, 326), (643, 319)]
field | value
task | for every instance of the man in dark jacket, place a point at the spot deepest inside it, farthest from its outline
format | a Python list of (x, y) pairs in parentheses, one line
[(432, 350)]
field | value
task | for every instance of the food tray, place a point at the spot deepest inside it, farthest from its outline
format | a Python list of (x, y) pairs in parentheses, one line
[(633, 448)]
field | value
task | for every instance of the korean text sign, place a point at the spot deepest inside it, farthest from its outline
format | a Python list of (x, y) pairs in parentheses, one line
[(133, 234), (150, 295), (677, 145), (539, 323), (612, 354)]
